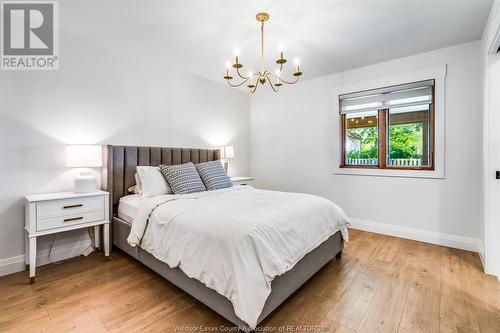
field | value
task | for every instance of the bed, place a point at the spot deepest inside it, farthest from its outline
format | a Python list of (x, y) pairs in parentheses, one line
[(119, 174)]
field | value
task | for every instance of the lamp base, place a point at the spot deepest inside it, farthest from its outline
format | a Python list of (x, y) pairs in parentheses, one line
[(85, 182)]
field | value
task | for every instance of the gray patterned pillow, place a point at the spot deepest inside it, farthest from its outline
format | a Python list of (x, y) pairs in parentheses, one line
[(183, 178), (213, 175)]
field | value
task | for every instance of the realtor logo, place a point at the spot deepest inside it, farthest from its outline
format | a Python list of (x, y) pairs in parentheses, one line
[(29, 35)]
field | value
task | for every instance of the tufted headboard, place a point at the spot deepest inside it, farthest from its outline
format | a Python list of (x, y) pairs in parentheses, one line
[(120, 163)]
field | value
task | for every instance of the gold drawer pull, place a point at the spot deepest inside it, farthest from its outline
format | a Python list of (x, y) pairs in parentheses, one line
[(73, 219), (73, 206)]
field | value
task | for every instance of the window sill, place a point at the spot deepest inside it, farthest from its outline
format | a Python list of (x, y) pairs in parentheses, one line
[(432, 174)]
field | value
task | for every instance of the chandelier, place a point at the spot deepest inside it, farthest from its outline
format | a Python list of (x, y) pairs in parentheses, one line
[(254, 78)]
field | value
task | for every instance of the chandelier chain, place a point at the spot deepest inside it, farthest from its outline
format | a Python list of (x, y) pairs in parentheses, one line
[(262, 47)]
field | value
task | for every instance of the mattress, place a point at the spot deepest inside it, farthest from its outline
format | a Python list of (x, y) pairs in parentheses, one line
[(128, 206)]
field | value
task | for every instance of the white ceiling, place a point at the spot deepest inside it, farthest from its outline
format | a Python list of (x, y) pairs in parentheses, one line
[(327, 36)]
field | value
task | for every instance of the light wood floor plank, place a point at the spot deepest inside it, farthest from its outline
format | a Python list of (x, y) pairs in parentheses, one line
[(457, 313), (421, 313), (386, 308), (351, 307)]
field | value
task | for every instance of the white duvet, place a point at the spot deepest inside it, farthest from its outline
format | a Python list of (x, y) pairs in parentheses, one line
[(236, 240)]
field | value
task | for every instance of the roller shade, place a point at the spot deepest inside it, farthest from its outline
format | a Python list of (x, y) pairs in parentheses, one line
[(416, 93)]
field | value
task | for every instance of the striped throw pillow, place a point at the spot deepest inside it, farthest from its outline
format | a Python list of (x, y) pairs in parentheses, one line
[(183, 178), (213, 175)]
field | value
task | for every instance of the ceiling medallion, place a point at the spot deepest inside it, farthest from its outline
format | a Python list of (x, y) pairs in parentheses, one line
[(253, 79)]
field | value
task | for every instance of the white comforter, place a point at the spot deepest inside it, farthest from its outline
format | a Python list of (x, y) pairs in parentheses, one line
[(236, 240)]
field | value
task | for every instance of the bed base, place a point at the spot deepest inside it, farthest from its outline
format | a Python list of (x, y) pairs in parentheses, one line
[(282, 286)]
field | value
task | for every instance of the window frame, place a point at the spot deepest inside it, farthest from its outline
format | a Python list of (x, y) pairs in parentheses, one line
[(383, 139)]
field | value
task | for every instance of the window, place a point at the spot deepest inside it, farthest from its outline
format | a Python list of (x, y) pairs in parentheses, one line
[(389, 128)]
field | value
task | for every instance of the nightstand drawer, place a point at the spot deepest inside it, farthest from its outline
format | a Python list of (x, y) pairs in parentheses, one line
[(70, 207), (68, 219)]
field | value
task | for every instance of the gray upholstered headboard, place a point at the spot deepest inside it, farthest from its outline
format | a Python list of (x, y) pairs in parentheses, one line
[(120, 163)]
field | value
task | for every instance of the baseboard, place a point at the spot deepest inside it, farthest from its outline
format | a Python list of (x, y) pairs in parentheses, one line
[(11, 265), (17, 264), (481, 254), (437, 238)]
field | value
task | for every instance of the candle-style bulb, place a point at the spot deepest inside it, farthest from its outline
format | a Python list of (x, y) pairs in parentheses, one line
[(281, 49), (297, 69), (297, 62)]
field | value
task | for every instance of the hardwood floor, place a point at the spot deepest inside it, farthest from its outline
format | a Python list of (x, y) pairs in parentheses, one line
[(381, 284)]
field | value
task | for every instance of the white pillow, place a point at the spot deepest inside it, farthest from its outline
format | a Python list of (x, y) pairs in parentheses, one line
[(151, 182), (137, 188), (138, 184)]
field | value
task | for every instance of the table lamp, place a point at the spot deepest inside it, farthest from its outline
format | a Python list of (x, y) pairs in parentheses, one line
[(226, 152), (84, 156)]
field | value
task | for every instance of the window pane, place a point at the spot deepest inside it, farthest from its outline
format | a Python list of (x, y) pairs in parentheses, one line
[(409, 139), (361, 138)]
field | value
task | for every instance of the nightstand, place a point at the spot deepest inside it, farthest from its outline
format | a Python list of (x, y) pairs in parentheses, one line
[(57, 212), (242, 180)]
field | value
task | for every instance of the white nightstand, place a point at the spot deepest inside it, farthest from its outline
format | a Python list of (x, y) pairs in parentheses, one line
[(242, 180), (57, 212)]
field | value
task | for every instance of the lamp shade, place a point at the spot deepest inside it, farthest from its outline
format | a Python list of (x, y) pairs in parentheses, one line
[(84, 156), (227, 152)]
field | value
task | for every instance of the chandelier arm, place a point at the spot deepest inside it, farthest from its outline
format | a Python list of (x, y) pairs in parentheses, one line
[(284, 81), (239, 74), (279, 70), (238, 84), (271, 84), (255, 88)]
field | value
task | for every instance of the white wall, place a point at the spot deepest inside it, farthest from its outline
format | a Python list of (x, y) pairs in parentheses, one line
[(491, 145), (294, 132), (103, 95)]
